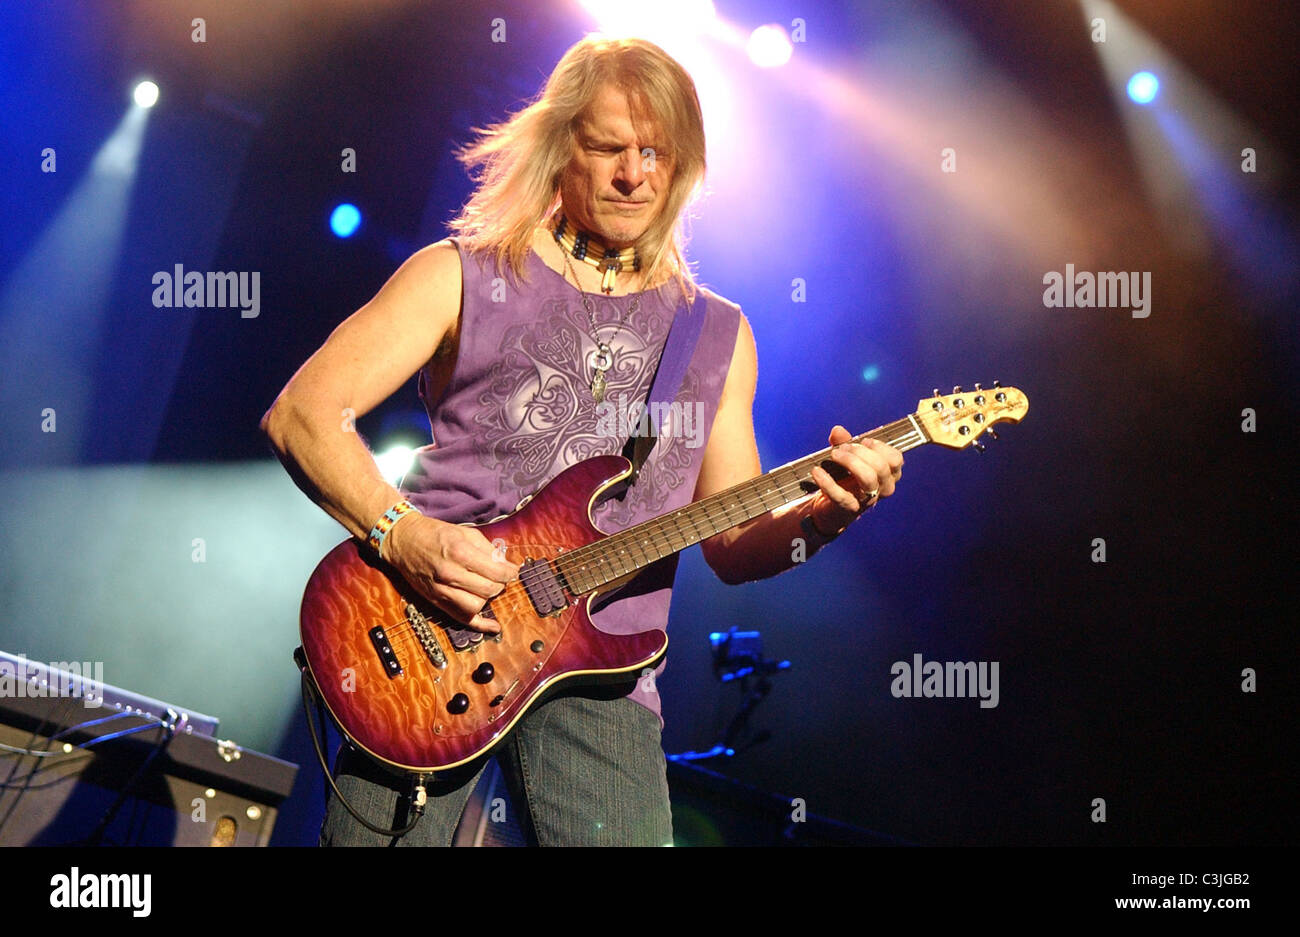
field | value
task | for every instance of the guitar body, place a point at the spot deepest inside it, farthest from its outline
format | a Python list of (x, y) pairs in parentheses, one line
[(426, 707)]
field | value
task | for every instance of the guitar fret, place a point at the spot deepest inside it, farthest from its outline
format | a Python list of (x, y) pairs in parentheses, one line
[(689, 514)]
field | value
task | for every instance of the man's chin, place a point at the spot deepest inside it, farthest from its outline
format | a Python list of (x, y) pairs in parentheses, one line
[(619, 237)]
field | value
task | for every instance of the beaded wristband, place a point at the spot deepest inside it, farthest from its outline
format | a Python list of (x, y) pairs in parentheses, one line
[(382, 526)]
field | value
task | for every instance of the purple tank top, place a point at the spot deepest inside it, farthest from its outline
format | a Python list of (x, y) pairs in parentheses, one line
[(518, 410)]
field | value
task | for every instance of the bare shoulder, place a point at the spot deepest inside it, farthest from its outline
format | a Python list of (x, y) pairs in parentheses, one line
[(441, 257), (422, 299), (743, 373), (434, 270)]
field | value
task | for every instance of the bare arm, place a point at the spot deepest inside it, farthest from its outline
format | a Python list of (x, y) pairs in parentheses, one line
[(763, 547), (310, 426)]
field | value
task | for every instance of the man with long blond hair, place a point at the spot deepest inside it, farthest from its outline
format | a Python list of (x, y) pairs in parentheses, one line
[(553, 299)]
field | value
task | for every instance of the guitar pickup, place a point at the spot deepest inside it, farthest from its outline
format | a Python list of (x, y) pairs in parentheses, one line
[(543, 587), (379, 638)]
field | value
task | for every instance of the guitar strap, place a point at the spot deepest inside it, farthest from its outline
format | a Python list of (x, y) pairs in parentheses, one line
[(683, 336)]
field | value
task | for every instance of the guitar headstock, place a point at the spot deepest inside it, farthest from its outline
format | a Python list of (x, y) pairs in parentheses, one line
[(957, 420)]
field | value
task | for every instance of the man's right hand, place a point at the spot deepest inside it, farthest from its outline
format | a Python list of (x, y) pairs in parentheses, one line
[(452, 565)]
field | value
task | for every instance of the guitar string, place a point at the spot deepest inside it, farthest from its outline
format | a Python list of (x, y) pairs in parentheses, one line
[(657, 525), (518, 602), (649, 532), (659, 528), (531, 577), (664, 527)]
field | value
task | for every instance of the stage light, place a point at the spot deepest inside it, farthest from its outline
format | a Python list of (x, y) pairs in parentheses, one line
[(870, 373), (66, 278), (769, 46), (1143, 87), (145, 94), (345, 220), (395, 462)]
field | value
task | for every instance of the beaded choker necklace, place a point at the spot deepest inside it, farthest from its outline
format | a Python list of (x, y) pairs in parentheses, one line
[(610, 262)]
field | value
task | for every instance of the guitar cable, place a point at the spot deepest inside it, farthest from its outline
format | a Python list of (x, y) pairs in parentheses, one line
[(418, 797)]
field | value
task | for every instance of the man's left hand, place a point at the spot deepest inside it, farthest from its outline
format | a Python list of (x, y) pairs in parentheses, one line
[(874, 469)]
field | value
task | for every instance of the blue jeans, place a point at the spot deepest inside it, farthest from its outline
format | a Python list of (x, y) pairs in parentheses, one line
[(584, 769)]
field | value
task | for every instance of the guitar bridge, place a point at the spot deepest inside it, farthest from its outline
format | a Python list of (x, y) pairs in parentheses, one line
[(424, 634)]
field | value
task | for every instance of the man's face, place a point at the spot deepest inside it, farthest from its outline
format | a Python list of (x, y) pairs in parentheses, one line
[(611, 187)]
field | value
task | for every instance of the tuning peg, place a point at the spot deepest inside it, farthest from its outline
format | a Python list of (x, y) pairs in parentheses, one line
[(957, 389), (936, 392), (977, 386), (979, 446), (990, 434), (997, 383)]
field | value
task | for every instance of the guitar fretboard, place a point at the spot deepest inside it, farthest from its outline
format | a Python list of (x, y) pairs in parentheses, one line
[(588, 568)]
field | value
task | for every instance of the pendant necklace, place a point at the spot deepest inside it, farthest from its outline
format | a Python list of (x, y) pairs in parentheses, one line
[(603, 357)]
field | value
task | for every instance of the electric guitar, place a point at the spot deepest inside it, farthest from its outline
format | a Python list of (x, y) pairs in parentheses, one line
[(416, 689)]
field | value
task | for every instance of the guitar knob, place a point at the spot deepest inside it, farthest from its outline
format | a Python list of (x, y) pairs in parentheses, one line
[(458, 704), (484, 673)]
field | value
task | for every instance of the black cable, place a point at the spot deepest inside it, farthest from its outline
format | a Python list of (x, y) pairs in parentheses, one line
[(417, 801), (323, 721)]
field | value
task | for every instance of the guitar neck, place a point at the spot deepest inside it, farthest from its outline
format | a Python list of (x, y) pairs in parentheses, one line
[(595, 565)]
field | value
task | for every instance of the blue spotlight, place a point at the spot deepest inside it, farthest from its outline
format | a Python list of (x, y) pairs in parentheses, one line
[(345, 220), (1143, 87), (870, 373)]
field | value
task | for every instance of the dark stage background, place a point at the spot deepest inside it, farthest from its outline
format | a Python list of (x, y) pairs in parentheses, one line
[(1120, 680)]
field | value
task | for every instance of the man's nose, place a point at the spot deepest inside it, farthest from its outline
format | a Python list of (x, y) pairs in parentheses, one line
[(630, 173)]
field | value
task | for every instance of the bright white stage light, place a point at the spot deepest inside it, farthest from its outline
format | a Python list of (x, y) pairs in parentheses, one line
[(395, 462), (769, 46), (145, 94)]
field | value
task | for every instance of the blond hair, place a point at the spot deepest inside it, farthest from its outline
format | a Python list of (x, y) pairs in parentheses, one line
[(517, 164)]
